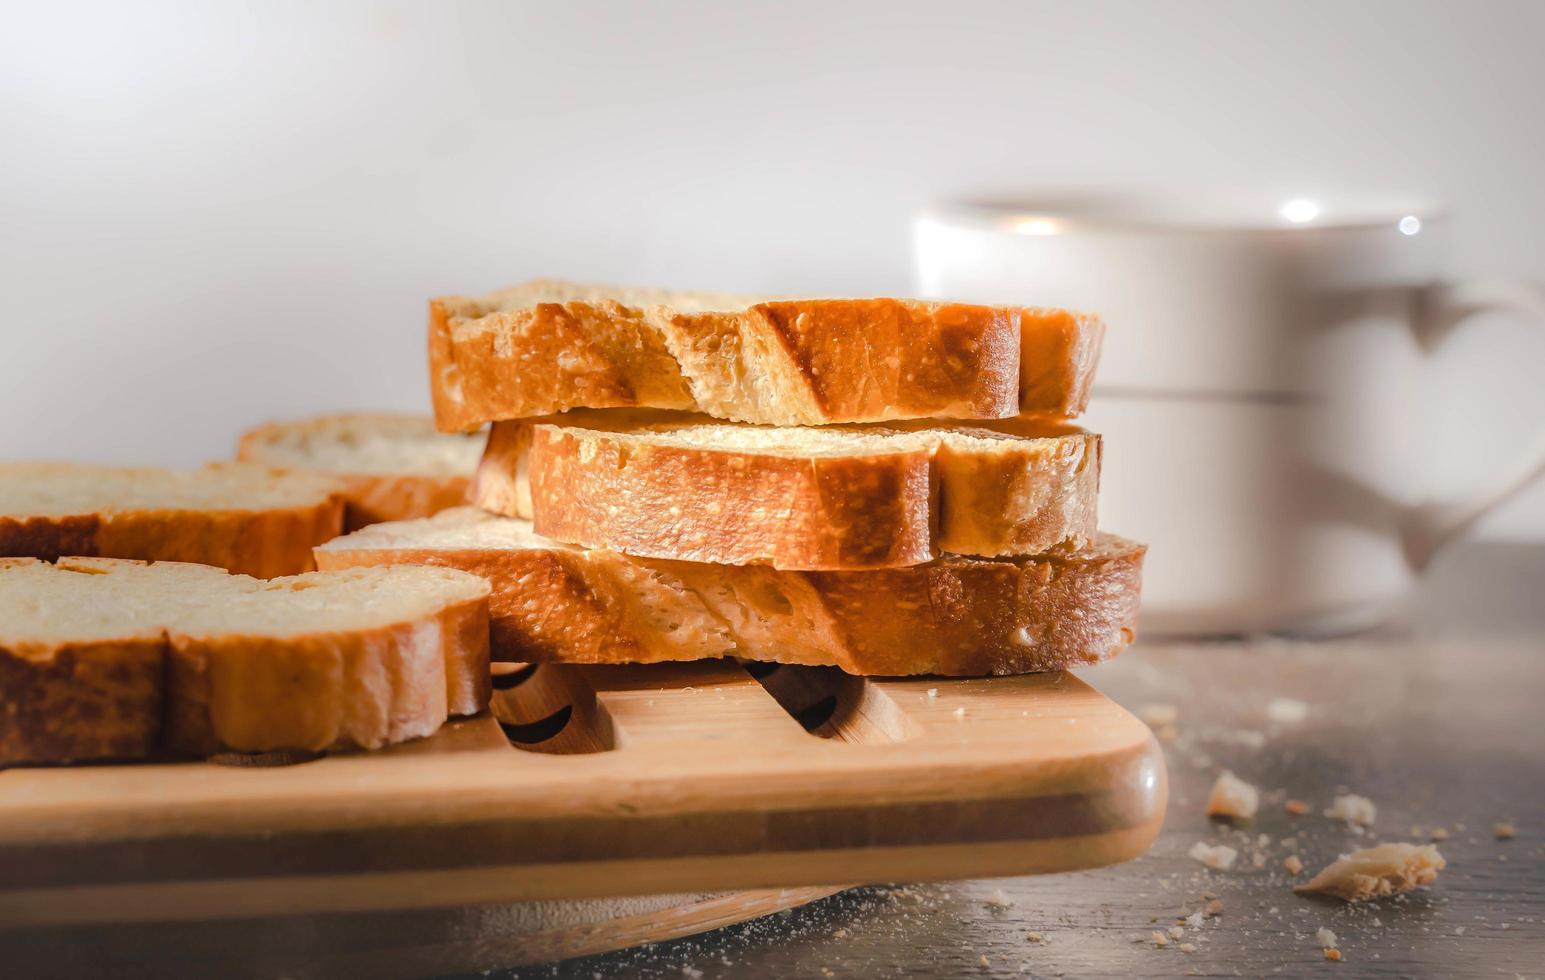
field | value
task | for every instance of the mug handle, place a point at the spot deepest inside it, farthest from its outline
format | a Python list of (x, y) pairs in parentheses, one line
[(1429, 527)]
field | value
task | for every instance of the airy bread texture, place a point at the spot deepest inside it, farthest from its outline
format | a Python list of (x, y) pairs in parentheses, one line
[(244, 518), (392, 467), (954, 616), (1377, 872), (668, 485), (549, 346), (104, 658)]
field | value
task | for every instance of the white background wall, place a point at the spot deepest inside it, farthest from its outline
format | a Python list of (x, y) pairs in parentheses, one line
[(211, 214)]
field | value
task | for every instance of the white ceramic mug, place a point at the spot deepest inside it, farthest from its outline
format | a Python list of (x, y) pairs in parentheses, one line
[(1264, 392)]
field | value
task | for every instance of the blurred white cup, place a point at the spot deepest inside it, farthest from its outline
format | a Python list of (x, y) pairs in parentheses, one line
[(1262, 391)]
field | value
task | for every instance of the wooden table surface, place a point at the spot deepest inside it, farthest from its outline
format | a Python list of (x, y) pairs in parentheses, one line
[(1439, 719)]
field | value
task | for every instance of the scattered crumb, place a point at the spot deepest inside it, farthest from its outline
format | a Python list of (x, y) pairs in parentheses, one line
[(1214, 908), (1286, 711), (1188, 947), (933, 692), (1273, 910), (1160, 939), (1296, 807), (1333, 954), (1354, 809), (1459, 930), (998, 900), (1263, 840), (1218, 858), (1158, 715), (1293, 865), (984, 961), (960, 713), (1258, 860), (1438, 834), (1325, 938), (1504, 831), (840, 934), (1175, 932), (1375, 872), (1194, 920), (1232, 798), (688, 970), (1035, 937)]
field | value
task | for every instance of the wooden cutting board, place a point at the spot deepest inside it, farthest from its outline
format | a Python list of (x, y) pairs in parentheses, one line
[(603, 781)]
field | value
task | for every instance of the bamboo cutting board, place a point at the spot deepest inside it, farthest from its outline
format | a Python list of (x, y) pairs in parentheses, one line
[(603, 781)]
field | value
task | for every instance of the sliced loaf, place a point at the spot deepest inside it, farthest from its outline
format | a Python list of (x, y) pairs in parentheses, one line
[(393, 467), (548, 346), (245, 518), (104, 658), (668, 485), (955, 615)]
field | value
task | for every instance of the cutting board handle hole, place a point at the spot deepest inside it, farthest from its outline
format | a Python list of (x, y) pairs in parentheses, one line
[(829, 703), (508, 680), (536, 732)]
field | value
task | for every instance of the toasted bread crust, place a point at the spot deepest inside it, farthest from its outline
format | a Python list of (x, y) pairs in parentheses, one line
[(893, 502), (515, 354), (953, 616), (341, 690), (156, 689), (88, 700), (263, 544), (368, 497), (261, 540)]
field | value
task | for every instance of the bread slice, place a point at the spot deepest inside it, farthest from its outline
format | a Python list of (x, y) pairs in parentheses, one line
[(104, 658), (393, 467), (248, 519), (668, 485), (548, 346), (955, 615)]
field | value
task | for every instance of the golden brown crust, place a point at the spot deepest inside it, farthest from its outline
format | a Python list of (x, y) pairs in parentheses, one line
[(263, 544), (789, 362), (97, 699), (342, 690), (369, 497), (694, 505), (546, 358), (156, 688), (264, 536), (1018, 487), (953, 616)]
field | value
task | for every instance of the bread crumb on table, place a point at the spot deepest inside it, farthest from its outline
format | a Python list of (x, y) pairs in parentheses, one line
[(1333, 954), (1160, 939), (1296, 807), (1217, 857), (1214, 908), (1376, 872), (1035, 937), (1232, 798), (1188, 947), (1438, 834), (1286, 711), (1158, 715), (1325, 937), (1293, 865), (1504, 831), (1354, 809), (998, 900), (1175, 932)]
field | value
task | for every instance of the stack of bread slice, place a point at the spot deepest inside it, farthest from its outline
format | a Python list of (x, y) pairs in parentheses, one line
[(887, 486)]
